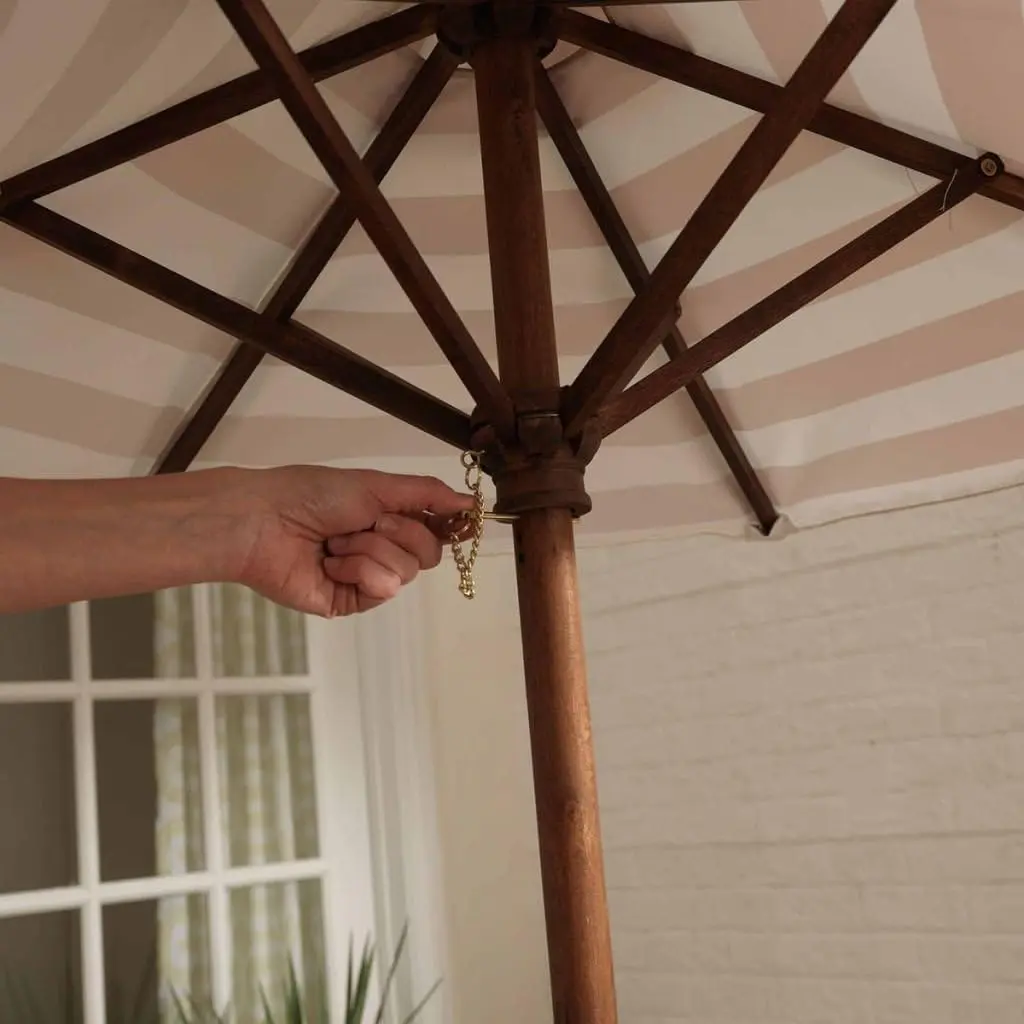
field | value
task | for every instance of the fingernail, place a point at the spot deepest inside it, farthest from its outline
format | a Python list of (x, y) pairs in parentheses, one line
[(387, 524)]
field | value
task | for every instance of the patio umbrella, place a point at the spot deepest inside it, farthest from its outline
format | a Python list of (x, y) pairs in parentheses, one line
[(258, 231)]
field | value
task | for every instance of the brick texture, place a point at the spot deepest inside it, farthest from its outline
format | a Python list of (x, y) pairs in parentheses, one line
[(811, 758)]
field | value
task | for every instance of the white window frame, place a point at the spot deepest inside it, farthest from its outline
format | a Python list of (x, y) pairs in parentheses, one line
[(374, 799)]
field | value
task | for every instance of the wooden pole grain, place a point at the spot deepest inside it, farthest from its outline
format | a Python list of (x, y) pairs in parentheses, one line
[(579, 944)]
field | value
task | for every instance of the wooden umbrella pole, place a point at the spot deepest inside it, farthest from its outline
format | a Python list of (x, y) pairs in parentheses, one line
[(542, 482)]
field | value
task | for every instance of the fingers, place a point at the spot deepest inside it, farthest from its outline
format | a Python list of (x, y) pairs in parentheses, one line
[(399, 493), (370, 579), (403, 544), (380, 562), (371, 566)]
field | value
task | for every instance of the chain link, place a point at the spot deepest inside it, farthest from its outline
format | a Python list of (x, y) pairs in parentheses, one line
[(464, 561)]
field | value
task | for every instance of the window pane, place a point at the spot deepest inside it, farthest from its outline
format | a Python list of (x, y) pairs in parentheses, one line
[(275, 928), (149, 788), (40, 968), (268, 789), (37, 793), (153, 951), (255, 637), (144, 636), (35, 646)]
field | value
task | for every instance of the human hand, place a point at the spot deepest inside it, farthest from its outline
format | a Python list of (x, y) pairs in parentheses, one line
[(334, 542)]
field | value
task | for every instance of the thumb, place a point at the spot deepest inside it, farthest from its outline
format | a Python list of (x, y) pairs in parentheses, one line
[(413, 494)]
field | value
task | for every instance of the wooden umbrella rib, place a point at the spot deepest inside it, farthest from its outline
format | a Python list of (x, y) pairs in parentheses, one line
[(385, 149), (793, 296), (291, 342), (271, 51), (215, 106), (605, 213), (746, 90), (634, 335)]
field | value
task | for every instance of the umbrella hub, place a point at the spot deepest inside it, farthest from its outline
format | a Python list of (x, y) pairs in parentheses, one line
[(463, 27), (540, 467)]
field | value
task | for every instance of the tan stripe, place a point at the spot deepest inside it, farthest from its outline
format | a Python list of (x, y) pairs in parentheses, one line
[(248, 174), (786, 30), (34, 269), (649, 20), (708, 306), (7, 8), (977, 52), (67, 411), (125, 36), (226, 172), (900, 361), (400, 339), (983, 442), (250, 183), (234, 60), (270, 440), (893, 363), (953, 448), (653, 203), (64, 410), (592, 86), (374, 88)]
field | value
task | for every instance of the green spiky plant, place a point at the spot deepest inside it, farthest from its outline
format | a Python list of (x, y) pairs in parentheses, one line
[(297, 1006), (302, 1007)]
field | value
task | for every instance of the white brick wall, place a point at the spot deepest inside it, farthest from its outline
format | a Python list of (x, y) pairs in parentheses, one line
[(811, 758)]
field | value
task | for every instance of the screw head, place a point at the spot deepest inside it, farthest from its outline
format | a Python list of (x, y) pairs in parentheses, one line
[(991, 166)]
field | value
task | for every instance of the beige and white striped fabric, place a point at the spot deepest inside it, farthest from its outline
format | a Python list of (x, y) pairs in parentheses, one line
[(904, 385)]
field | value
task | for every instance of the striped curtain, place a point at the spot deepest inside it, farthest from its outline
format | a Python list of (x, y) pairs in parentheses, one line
[(266, 798)]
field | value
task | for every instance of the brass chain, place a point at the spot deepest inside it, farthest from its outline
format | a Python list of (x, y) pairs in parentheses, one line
[(464, 561)]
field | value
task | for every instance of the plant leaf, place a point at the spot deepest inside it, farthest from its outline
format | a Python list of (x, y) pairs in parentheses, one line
[(293, 1013), (356, 1009), (419, 1007), (268, 1013), (348, 983), (390, 976)]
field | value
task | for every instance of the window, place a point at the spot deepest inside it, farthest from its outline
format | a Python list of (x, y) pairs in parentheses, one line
[(184, 803)]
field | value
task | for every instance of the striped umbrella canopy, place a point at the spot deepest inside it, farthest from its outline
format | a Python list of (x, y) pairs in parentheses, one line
[(901, 382)]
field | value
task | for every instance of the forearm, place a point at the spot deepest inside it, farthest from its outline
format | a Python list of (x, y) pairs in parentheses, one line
[(72, 540)]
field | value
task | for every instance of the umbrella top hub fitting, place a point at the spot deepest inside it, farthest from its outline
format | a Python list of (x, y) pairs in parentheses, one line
[(461, 28)]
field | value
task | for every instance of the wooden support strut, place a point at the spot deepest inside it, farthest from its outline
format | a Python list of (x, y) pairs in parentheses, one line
[(291, 342), (215, 106), (269, 47), (537, 482), (595, 194), (309, 262), (746, 90), (635, 334), (728, 339)]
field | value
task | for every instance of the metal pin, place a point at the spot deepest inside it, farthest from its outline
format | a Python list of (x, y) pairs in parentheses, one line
[(497, 517)]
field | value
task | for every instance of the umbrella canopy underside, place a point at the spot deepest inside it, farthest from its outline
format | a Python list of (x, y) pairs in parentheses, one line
[(902, 385)]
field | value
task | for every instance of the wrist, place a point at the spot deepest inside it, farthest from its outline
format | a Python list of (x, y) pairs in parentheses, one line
[(229, 514)]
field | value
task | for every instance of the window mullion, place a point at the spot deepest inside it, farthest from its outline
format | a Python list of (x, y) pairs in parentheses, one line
[(216, 855), (93, 976)]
